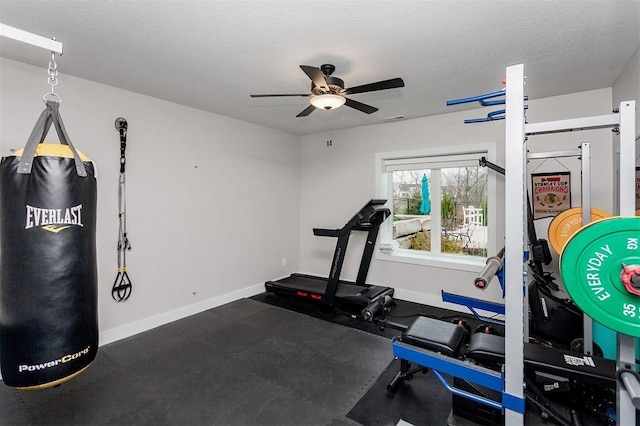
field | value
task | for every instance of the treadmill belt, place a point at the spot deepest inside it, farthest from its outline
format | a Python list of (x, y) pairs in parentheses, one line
[(318, 285)]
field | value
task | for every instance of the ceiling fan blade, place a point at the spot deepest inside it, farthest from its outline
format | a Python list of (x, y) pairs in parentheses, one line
[(372, 87), (273, 95), (368, 109), (308, 110), (316, 76)]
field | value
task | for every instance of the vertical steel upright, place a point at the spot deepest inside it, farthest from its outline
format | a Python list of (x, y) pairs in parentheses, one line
[(585, 194), (515, 240), (626, 413), (516, 134)]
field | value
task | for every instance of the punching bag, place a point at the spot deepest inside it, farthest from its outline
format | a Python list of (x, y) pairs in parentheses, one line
[(48, 273)]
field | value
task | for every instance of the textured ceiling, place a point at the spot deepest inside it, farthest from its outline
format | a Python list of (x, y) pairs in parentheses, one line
[(212, 55)]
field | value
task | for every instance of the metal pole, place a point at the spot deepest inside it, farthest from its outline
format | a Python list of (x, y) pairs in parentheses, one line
[(626, 344), (585, 194), (515, 237)]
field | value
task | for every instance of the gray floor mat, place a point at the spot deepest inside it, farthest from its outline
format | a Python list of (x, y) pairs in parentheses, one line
[(244, 363)]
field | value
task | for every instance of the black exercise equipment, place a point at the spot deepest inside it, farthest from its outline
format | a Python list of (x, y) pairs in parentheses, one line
[(547, 311), (354, 297), (586, 383), (122, 286), (48, 270), (587, 380), (552, 318)]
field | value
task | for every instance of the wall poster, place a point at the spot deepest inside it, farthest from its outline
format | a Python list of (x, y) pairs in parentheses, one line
[(551, 193)]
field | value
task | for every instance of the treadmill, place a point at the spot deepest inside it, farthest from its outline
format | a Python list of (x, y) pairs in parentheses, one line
[(333, 292)]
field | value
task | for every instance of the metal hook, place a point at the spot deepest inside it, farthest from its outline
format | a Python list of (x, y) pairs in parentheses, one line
[(52, 80), (121, 124)]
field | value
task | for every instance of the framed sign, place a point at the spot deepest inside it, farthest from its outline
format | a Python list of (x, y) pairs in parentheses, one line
[(551, 193)]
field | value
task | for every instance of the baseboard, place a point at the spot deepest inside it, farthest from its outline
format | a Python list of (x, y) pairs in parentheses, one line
[(128, 330)]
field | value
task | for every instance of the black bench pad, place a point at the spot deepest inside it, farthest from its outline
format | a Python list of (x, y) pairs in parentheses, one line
[(435, 335), (486, 347)]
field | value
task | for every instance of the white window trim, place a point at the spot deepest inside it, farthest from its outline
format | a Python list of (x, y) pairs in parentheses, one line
[(438, 260)]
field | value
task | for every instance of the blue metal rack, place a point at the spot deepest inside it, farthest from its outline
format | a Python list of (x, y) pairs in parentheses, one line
[(484, 101)]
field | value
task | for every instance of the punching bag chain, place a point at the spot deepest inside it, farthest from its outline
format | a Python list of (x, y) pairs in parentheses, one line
[(53, 72), (122, 285), (52, 80)]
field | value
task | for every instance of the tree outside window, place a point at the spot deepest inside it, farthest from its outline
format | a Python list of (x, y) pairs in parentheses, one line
[(461, 201)]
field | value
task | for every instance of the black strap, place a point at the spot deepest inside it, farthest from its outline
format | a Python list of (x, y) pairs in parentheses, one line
[(122, 285)]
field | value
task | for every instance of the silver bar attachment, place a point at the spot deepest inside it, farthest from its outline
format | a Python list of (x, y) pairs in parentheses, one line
[(554, 154), (572, 125)]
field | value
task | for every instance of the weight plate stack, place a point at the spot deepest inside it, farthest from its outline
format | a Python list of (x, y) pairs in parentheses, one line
[(600, 266), (567, 223)]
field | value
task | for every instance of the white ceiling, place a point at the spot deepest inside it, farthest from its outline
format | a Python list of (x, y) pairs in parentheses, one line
[(212, 55)]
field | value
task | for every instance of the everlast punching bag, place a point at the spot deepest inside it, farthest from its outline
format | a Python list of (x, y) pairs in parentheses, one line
[(48, 274)]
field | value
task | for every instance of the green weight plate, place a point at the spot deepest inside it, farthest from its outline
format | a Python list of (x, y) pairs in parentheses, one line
[(591, 265)]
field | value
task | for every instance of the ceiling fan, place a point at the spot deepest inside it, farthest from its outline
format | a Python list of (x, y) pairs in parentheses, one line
[(328, 92)]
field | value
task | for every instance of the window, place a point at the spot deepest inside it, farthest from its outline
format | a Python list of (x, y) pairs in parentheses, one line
[(441, 202)]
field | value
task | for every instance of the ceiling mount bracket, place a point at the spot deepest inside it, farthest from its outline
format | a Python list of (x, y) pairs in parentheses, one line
[(327, 69), (29, 38)]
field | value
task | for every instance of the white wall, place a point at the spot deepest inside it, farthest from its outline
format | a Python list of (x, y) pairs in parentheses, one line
[(212, 202), (627, 86), (339, 179)]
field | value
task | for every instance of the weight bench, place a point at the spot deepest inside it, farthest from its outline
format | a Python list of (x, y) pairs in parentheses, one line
[(449, 340), (440, 347)]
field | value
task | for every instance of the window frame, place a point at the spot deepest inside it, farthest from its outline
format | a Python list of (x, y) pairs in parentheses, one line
[(384, 190)]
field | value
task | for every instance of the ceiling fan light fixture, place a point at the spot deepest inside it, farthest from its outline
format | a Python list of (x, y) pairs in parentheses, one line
[(328, 101)]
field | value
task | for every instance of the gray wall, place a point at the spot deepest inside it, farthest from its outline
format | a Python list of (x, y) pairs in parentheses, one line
[(338, 179), (215, 204), (192, 247)]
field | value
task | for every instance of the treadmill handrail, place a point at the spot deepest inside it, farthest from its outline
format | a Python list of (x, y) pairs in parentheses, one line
[(368, 218), (320, 232), (361, 221)]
